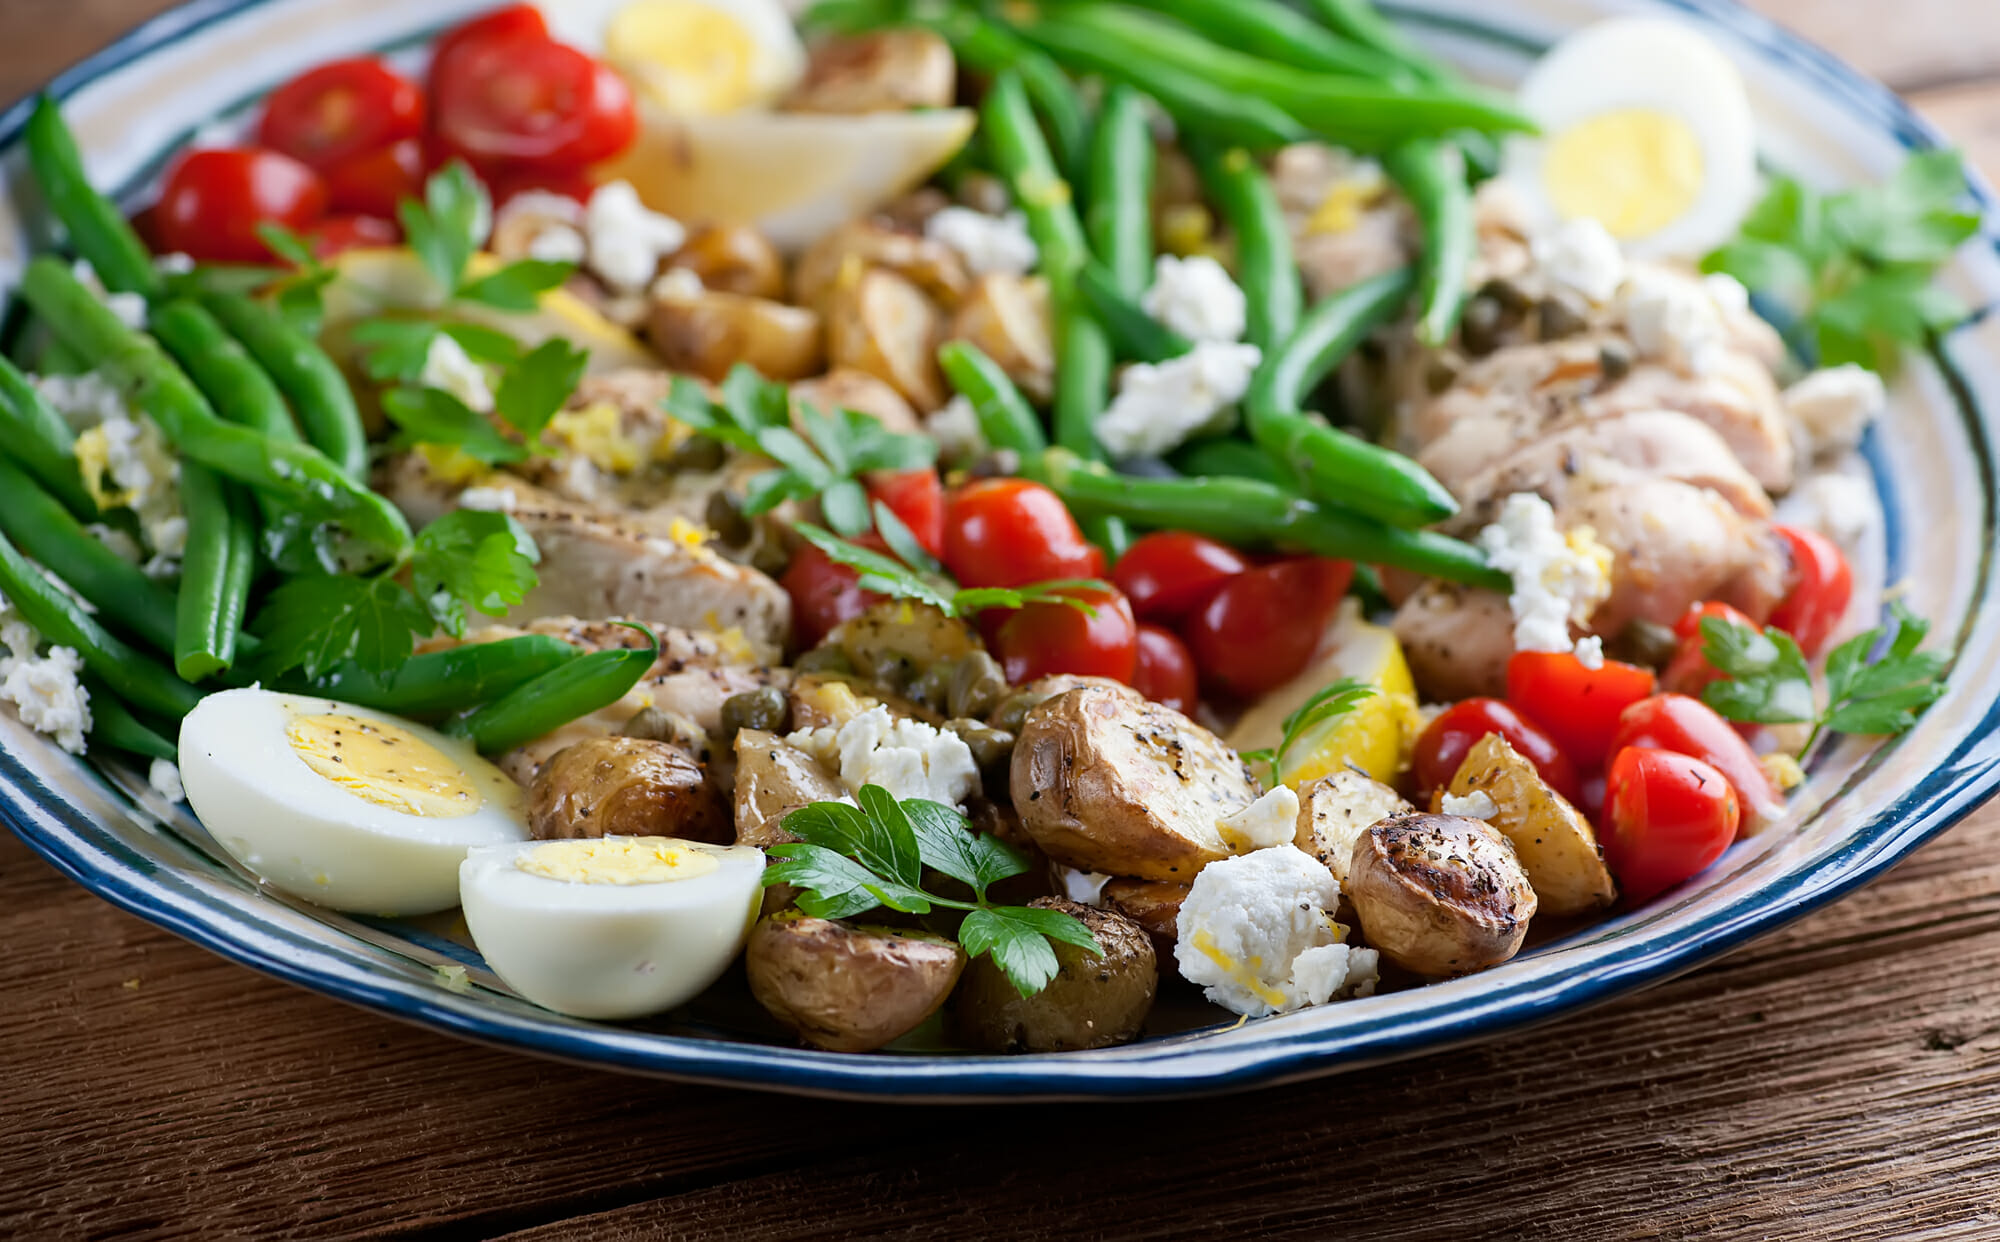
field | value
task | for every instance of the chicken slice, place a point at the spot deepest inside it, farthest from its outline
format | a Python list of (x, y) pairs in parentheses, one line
[(1675, 545), (1457, 640)]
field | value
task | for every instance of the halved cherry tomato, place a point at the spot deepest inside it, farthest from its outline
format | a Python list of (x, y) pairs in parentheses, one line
[(1691, 727), (1170, 573), (341, 110), (373, 183), (526, 100), (1690, 671), (507, 22), (1445, 742), (1165, 672), (1262, 627), (338, 233), (1822, 588), (1576, 705), (1055, 638), (917, 497), (823, 593), (214, 200), (1010, 532), (1666, 817)]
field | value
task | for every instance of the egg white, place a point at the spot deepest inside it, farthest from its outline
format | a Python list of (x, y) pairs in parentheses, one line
[(305, 835), (609, 950)]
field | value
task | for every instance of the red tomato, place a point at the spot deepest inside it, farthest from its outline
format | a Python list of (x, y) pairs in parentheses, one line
[(341, 110), (1575, 705), (1261, 629), (1010, 532), (1822, 588), (917, 497), (1667, 817), (373, 183), (1690, 671), (525, 100), (508, 22), (1055, 638), (214, 200), (338, 233), (1165, 672), (825, 594), (1445, 742), (1170, 573), (1691, 727)]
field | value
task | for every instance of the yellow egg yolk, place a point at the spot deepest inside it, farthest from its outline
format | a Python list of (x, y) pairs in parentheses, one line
[(598, 433), (689, 56), (616, 860), (1633, 170), (384, 764)]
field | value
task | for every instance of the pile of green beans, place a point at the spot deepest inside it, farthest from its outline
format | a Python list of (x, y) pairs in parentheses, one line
[(437, 683), (42, 442), (1265, 265), (120, 591), (571, 690)]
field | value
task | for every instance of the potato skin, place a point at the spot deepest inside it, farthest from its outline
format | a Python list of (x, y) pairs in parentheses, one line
[(629, 787), (1440, 894), (1108, 782), (711, 332), (1093, 1001), (1154, 906), (1335, 810), (885, 325), (774, 779), (880, 71), (1556, 844), (848, 987), (733, 258)]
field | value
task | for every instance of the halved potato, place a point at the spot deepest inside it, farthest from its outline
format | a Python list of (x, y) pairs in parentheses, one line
[(1007, 317), (1335, 810), (1153, 905), (1555, 842), (1095, 1000), (848, 987), (733, 258), (773, 779), (841, 256), (1440, 894), (880, 71), (708, 332), (626, 787), (885, 325), (846, 389)]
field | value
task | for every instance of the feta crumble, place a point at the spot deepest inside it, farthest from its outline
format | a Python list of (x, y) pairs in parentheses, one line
[(1558, 579), (1590, 651), (126, 463), (1271, 820), (1835, 405), (165, 779), (1842, 507), (448, 368), (84, 400), (1257, 933), (988, 244), (955, 427), (908, 758), (1196, 298), (175, 263), (1582, 257), (1673, 319), (1085, 888), (541, 205), (1476, 805), (487, 499), (1160, 404), (558, 243), (122, 545), (46, 690), (627, 240)]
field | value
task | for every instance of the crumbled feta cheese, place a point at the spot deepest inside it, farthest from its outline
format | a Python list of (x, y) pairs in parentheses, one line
[(487, 499), (1673, 319), (988, 244), (1085, 888), (1476, 805), (1160, 404), (1271, 820), (49, 696), (1835, 405), (84, 400), (178, 263), (1257, 933), (955, 427), (165, 779), (1843, 507), (908, 758), (1581, 256), (122, 545), (678, 284), (449, 368), (1590, 651), (126, 463), (1558, 578), (627, 239), (558, 243), (1727, 292), (1196, 298)]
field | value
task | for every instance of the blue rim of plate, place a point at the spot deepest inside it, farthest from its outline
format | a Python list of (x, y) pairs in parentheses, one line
[(1174, 1066)]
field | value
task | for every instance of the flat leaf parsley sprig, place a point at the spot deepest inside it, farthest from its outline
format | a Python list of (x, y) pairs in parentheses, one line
[(850, 860), (918, 576), (1337, 699)]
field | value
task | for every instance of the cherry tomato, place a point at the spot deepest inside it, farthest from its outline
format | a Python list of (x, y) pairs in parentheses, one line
[(508, 22), (917, 497), (1055, 638), (525, 100), (1170, 573), (341, 110), (373, 183), (1691, 727), (1575, 705), (1165, 672), (825, 594), (1667, 817), (1010, 532), (1262, 627), (1822, 588), (338, 233), (1689, 671), (1445, 742), (215, 199)]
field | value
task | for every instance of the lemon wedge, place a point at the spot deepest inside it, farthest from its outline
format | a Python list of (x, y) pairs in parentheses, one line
[(1375, 737)]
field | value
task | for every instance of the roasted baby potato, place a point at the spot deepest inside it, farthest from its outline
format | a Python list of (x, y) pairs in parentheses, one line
[(840, 258), (1094, 1001), (886, 326), (881, 71), (896, 641), (1007, 317), (848, 987), (626, 787), (708, 332), (1154, 906), (1105, 781), (845, 389), (773, 779), (1554, 841), (1440, 894), (733, 258), (1335, 810)]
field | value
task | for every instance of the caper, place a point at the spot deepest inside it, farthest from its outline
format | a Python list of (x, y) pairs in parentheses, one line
[(932, 687), (1013, 712), (1508, 295), (1644, 642), (699, 453), (1441, 372), (890, 670), (1561, 317), (768, 556), (763, 708), (977, 685), (725, 518), (1480, 330), (655, 725), (996, 464), (990, 747), (826, 659), (1615, 361)]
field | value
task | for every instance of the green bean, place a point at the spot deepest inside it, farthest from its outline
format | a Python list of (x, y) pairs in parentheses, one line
[(39, 438), (1270, 29), (1134, 333), (142, 682), (1327, 531), (113, 724), (1432, 176), (586, 684), (438, 682), (1005, 418), (315, 386), (1226, 457), (296, 473), (1118, 190), (55, 358), (1360, 22), (207, 616), (991, 48), (239, 389), (120, 591), (1265, 267), (96, 228)]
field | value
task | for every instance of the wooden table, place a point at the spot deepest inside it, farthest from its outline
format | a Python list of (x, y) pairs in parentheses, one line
[(1840, 1079)]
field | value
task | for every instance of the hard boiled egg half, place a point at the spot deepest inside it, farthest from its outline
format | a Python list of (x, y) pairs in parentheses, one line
[(1646, 128), (611, 927), (340, 805), (691, 57)]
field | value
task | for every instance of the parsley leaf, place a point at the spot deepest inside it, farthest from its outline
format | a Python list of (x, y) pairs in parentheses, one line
[(533, 389), (298, 293), (1768, 682), (434, 416), (313, 623), (1336, 699), (472, 558), (446, 227), (395, 350), (885, 575), (516, 287), (977, 860)]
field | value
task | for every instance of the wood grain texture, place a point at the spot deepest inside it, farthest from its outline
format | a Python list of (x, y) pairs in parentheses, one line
[(1839, 1079)]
